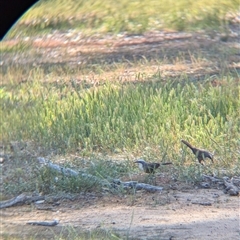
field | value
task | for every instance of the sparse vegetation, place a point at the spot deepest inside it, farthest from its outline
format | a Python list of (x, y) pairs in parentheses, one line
[(70, 232), (94, 117), (134, 17), (114, 117), (146, 117)]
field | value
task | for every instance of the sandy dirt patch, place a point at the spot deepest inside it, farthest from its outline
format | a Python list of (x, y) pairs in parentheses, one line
[(166, 215)]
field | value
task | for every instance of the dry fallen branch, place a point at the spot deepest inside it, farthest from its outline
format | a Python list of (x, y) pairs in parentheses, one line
[(21, 199), (212, 179), (144, 186), (72, 173), (45, 208), (236, 181), (203, 203), (105, 183), (136, 185), (205, 184), (45, 223), (231, 189), (110, 184), (65, 171)]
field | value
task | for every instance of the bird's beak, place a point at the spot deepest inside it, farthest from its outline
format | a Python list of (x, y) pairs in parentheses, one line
[(137, 161)]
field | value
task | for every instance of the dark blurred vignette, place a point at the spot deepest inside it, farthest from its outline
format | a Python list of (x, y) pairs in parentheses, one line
[(10, 12)]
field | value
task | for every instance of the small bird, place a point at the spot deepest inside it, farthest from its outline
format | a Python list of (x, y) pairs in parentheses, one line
[(149, 167), (201, 154)]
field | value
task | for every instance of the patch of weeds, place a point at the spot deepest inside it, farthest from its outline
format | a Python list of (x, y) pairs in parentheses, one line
[(131, 196), (6, 236), (149, 118), (107, 169), (20, 46), (92, 179), (68, 232), (52, 182), (130, 225), (190, 173), (19, 176), (135, 17), (71, 232)]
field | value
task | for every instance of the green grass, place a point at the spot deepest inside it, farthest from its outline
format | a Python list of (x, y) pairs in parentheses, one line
[(147, 118), (78, 118), (117, 117), (134, 17), (14, 48)]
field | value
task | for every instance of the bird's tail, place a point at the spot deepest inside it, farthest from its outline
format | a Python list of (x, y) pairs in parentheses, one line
[(187, 143), (167, 163)]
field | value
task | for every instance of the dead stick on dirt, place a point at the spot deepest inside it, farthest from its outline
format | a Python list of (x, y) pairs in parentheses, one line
[(136, 185), (22, 198), (236, 181), (231, 189), (68, 171), (144, 186), (45, 223), (203, 203), (212, 179)]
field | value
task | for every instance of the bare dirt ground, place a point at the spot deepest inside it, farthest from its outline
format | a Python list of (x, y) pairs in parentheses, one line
[(181, 211), (170, 54), (172, 214)]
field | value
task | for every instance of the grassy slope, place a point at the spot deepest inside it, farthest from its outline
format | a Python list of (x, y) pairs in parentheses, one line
[(113, 116), (134, 17), (147, 119)]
